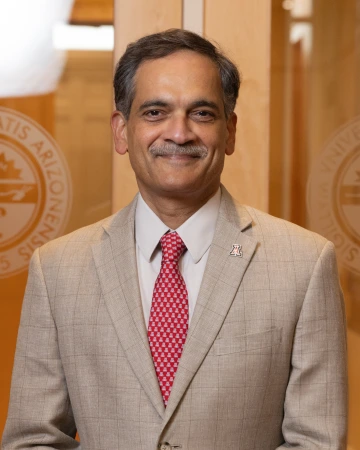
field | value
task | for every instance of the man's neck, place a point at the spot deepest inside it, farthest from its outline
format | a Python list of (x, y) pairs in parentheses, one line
[(174, 211)]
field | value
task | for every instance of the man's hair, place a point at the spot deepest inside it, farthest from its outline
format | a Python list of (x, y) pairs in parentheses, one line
[(162, 44)]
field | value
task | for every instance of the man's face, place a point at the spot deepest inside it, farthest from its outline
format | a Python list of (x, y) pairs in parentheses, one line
[(177, 134)]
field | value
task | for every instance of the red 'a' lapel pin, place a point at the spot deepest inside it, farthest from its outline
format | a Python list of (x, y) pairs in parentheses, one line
[(236, 250)]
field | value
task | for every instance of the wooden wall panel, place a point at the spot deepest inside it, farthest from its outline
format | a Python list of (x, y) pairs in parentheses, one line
[(39, 107), (93, 12), (299, 163), (133, 20), (12, 292), (243, 30), (279, 170), (83, 104)]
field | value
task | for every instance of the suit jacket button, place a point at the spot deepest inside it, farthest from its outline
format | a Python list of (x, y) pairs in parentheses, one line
[(165, 446)]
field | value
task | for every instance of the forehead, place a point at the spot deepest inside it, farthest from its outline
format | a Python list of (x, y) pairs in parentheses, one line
[(184, 73)]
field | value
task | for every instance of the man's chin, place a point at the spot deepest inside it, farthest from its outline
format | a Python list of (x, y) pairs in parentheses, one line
[(179, 187)]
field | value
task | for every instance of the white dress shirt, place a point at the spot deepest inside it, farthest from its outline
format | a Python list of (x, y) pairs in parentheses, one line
[(197, 234)]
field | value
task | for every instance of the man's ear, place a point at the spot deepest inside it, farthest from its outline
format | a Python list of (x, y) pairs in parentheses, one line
[(119, 129), (231, 127)]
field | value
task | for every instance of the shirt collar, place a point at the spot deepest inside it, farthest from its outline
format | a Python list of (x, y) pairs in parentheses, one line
[(197, 232)]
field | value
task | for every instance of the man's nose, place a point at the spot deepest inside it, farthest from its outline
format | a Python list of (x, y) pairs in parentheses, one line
[(179, 130)]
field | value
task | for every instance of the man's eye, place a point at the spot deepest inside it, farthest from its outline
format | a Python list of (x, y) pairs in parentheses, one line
[(152, 114), (204, 115)]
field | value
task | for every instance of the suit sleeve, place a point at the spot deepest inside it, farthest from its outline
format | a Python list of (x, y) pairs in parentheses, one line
[(40, 414), (315, 410)]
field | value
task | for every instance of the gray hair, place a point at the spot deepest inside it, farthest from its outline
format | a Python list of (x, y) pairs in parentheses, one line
[(162, 44)]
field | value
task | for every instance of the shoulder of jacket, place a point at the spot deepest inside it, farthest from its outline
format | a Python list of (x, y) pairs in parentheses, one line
[(79, 240), (266, 225)]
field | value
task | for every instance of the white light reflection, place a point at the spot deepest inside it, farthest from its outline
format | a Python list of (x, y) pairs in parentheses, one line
[(302, 32), (76, 37), (29, 63)]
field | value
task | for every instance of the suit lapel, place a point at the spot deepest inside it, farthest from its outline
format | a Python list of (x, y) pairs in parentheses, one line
[(222, 277), (115, 259)]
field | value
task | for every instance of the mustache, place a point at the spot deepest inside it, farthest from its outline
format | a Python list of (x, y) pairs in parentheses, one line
[(196, 151)]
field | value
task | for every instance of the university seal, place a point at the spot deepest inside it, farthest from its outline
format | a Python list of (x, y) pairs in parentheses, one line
[(35, 190), (334, 194)]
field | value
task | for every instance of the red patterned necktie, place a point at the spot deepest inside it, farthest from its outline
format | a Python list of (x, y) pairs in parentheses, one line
[(169, 314)]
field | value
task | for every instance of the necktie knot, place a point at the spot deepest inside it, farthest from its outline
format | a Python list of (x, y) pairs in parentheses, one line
[(172, 247)]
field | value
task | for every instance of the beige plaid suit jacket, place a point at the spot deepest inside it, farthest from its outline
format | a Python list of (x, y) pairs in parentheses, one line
[(263, 366)]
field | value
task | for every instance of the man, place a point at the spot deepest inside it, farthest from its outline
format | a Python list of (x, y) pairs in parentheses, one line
[(185, 320)]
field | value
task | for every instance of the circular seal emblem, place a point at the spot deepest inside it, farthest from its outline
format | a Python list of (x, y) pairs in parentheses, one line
[(35, 190), (334, 193)]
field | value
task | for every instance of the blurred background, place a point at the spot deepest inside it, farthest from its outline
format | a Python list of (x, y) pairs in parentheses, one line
[(298, 142)]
